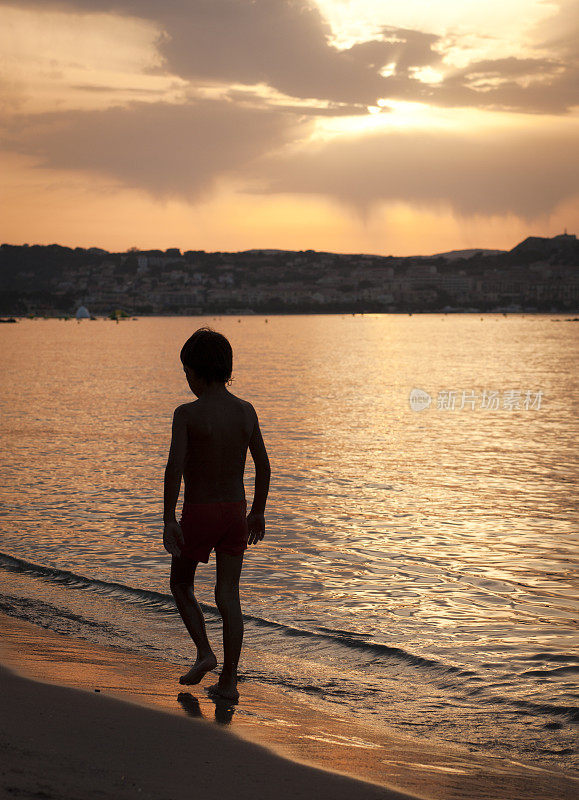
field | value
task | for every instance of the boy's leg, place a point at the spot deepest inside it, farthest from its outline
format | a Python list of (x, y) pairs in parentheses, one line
[(227, 599), (182, 578)]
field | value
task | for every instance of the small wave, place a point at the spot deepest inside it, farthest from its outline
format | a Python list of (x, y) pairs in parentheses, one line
[(155, 600), (164, 603), (556, 658), (570, 712), (38, 612), (67, 622), (557, 672)]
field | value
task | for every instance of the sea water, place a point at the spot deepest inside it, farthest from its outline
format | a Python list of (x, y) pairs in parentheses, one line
[(420, 560)]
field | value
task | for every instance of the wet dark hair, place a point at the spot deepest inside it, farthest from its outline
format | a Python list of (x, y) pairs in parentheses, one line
[(209, 354)]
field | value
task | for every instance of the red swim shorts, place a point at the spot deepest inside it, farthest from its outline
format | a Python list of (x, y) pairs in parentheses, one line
[(222, 526)]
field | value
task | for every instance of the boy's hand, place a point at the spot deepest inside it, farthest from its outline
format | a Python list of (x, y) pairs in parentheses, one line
[(256, 525), (173, 539)]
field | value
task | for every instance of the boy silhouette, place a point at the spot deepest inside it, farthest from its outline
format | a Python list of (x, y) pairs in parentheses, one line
[(209, 443)]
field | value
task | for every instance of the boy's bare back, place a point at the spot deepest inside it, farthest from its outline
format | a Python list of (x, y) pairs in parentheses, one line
[(219, 430)]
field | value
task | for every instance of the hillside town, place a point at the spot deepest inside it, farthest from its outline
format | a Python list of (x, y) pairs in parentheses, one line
[(538, 275)]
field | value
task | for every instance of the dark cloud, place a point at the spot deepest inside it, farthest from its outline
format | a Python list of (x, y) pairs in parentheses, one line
[(403, 47), (523, 173), (531, 85), (106, 89), (282, 44), (253, 99), (504, 68), (165, 150)]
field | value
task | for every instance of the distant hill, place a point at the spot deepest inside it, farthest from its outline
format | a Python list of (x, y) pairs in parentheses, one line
[(557, 249), (266, 252), (539, 248), (455, 255)]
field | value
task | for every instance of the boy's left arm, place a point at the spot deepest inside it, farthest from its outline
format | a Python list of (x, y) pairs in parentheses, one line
[(173, 535)]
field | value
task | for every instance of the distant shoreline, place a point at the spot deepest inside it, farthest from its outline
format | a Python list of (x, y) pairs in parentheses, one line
[(218, 314), (539, 275)]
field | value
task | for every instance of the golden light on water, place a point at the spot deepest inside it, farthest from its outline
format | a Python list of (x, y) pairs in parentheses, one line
[(385, 483)]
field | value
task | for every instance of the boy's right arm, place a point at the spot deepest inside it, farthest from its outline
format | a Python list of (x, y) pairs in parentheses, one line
[(255, 518)]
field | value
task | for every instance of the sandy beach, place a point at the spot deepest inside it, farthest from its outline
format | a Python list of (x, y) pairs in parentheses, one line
[(80, 720), (61, 742)]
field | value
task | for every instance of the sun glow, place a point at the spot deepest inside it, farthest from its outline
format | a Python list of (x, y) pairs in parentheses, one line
[(396, 114)]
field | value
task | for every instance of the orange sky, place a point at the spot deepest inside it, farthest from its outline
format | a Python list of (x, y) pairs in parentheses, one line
[(343, 125)]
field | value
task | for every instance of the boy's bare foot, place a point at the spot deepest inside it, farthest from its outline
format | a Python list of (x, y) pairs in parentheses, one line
[(198, 670), (225, 687)]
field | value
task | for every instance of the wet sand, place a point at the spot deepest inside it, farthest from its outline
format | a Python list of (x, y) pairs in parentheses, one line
[(141, 735)]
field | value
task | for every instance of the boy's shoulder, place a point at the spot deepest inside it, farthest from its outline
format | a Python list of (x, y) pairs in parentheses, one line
[(184, 408), (243, 402), (187, 409), (250, 410), (247, 407)]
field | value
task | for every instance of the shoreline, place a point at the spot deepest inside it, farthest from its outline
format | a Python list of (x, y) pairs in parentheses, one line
[(278, 730)]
